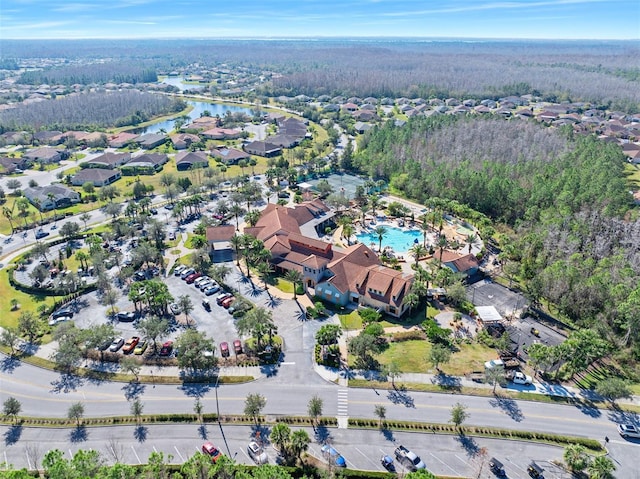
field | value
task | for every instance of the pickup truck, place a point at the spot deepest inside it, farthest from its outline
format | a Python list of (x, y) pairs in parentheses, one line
[(409, 459), (520, 378)]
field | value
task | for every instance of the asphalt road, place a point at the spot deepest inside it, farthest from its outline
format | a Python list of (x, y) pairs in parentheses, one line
[(362, 449)]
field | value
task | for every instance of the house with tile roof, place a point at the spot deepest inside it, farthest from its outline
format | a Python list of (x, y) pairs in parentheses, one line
[(466, 264), (343, 276)]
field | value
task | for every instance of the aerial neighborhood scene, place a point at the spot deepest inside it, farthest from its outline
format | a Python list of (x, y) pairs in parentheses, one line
[(320, 239)]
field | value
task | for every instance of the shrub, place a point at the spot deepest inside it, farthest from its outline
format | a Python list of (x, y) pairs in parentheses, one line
[(407, 336)]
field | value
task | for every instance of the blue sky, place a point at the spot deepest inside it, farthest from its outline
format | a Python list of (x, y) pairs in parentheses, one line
[(539, 19)]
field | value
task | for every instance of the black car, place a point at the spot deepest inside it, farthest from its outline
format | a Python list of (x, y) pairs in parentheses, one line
[(126, 316), (67, 311), (496, 467)]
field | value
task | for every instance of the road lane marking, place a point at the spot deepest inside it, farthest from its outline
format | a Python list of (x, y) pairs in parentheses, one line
[(70, 453), (368, 458), (445, 464), (290, 363), (154, 449), (176, 448), (28, 460), (136, 454)]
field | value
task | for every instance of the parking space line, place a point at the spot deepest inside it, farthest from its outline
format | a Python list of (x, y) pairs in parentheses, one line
[(463, 461), (136, 454), (28, 460), (368, 458), (154, 449), (518, 467), (176, 448), (445, 464), (70, 454)]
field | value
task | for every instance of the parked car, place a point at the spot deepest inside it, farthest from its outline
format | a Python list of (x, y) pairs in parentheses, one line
[(387, 463), (204, 284), (227, 302), (192, 277), (206, 305), (256, 452), (59, 319), (521, 378), (409, 459), (116, 344), (535, 471), (200, 280), (237, 346), (628, 430), (171, 236), (497, 467), (187, 272), (212, 289), (221, 297), (130, 345), (126, 316), (224, 350), (179, 269), (494, 363), (41, 233), (211, 451), (333, 456), (166, 348), (66, 311), (141, 347), (175, 308)]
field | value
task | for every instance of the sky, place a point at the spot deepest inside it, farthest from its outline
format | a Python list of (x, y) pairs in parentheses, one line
[(533, 19)]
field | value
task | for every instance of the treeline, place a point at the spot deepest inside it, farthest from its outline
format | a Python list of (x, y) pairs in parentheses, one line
[(509, 170), (90, 111), (94, 73), (576, 229)]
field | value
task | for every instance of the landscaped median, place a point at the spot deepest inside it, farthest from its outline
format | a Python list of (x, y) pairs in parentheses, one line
[(593, 446)]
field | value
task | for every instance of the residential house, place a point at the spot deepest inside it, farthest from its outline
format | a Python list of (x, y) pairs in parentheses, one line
[(466, 264), (146, 164), (108, 161), (222, 134), (229, 156), (182, 141), (11, 164), (122, 139), (45, 155), (96, 176), (49, 197), (219, 240), (361, 127), (189, 160), (364, 115), (262, 148), (204, 123), (44, 137), (151, 140)]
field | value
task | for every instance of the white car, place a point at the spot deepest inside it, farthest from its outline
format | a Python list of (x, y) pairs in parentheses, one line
[(628, 430), (205, 284), (520, 378), (59, 319), (116, 344), (256, 452), (494, 363), (200, 280), (175, 308), (179, 269), (187, 272)]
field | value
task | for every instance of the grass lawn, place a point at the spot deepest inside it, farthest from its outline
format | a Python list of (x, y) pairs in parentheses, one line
[(412, 357), (351, 321), (287, 286), (633, 174), (27, 302)]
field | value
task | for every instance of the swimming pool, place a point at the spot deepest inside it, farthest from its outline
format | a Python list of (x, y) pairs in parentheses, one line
[(399, 239)]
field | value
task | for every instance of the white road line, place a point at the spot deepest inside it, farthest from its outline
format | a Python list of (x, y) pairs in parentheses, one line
[(154, 449), (290, 363), (463, 461), (28, 461), (70, 453), (181, 458), (367, 458), (515, 464), (6, 460), (445, 464), (136, 454)]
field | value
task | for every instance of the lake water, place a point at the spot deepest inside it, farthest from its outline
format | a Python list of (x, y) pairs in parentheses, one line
[(198, 108)]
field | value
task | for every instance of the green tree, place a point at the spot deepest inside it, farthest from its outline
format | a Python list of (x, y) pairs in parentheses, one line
[(294, 277), (76, 412), (186, 305), (495, 376), (253, 405), (258, 322), (136, 409), (195, 352), (9, 338), (130, 365), (613, 388), (85, 217), (29, 325), (280, 436), (381, 232), (314, 408), (601, 467), (438, 355), (381, 413), (11, 407), (363, 347), (576, 457), (154, 328), (458, 414), (299, 443)]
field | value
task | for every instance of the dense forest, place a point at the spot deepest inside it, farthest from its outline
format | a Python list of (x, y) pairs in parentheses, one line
[(90, 111), (116, 72), (605, 73), (575, 229)]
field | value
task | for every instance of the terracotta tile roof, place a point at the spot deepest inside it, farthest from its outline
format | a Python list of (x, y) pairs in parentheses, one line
[(220, 233), (381, 283), (461, 262)]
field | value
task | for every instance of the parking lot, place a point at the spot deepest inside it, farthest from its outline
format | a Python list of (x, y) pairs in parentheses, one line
[(487, 293)]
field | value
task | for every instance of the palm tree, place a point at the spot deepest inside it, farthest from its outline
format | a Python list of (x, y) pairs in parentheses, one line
[(601, 468), (280, 436), (299, 443), (85, 217), (264, 270), (296, 278), (6, 212), (237, 211), (219, 272), (418, 251), (412, 300), (470, 239), (442, 244), (347, 232), (381, 232), (238, 242), (424, 227)]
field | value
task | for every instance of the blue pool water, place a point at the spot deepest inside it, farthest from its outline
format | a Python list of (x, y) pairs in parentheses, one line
[(400, 240)]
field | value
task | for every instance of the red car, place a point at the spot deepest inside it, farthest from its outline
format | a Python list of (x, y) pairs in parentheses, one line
[(130, 345), (227, 302), (237, 346), (224, 350), (192, 277), (212, 451), (166, 349)]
